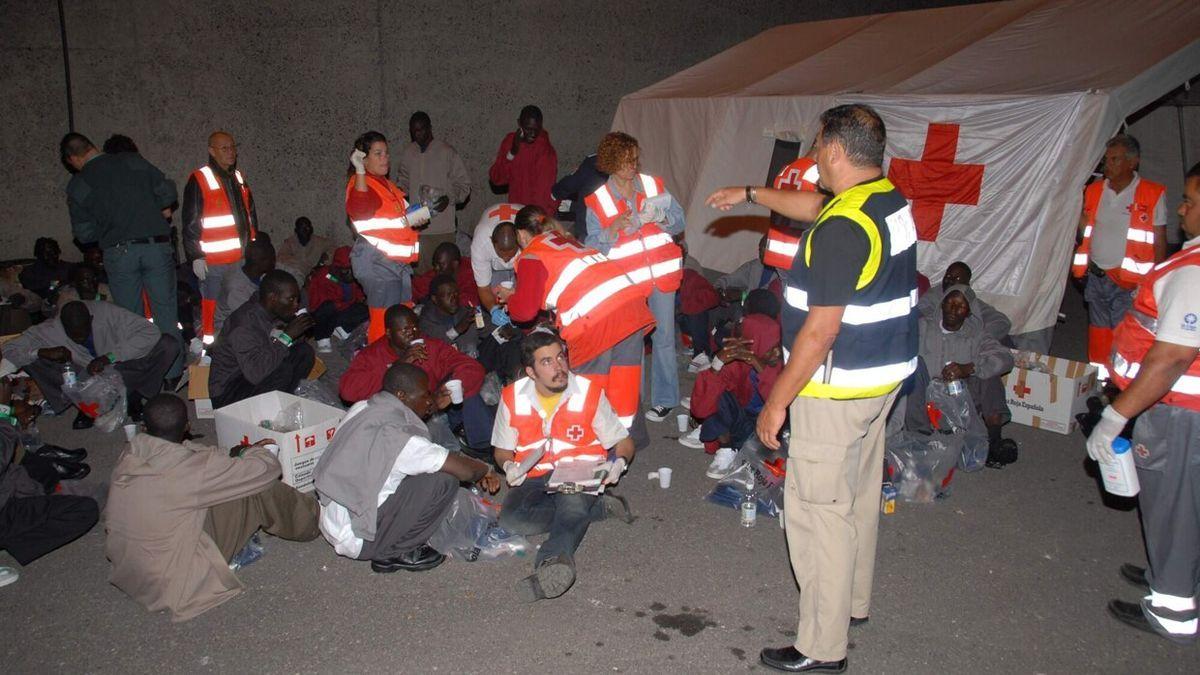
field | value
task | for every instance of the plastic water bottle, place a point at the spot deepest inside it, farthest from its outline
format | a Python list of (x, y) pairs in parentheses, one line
[(68, 376), (31, 438), (1120, 476), (749, 510), (479, 318)]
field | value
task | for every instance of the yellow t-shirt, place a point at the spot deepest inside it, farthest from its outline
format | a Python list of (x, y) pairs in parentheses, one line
[(549, 403)]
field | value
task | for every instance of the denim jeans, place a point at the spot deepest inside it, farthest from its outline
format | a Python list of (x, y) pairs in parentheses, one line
[(477, 419), (528, 509), (664, 373), (133, 268)]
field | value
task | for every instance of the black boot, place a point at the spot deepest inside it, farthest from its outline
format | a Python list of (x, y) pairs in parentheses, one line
[(82, 422)]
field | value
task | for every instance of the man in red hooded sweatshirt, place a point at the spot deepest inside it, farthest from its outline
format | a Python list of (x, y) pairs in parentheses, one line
[(527, 163)]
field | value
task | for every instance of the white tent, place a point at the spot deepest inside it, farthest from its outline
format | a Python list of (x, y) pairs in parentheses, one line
[(996, 113)]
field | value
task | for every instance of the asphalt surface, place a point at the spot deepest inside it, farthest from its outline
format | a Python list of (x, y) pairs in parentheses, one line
[(1011, 573)]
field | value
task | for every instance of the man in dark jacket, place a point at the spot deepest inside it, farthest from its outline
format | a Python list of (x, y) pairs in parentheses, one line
[(586, 179), (247, 358), (124, 203)]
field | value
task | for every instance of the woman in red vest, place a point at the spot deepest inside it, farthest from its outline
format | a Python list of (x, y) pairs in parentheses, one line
[(386, 246)]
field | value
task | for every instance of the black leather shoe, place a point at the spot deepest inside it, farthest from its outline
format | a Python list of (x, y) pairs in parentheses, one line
[(1131, 614), (419, 559), (858, 620), (133, 408), (71, 470), (61, 454), (82, 422), (1135, 576), (790, 660)]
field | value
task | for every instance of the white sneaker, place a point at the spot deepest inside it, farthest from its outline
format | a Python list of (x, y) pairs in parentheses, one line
[(722, 463), (8, 575), (686, 402), (692, 439), (324, 346), (341, 334), (699, 363)]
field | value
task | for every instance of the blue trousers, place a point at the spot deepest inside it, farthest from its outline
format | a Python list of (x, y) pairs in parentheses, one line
[(133, 268), (731, 418), (528, 509), (664, 372), (477, 419)]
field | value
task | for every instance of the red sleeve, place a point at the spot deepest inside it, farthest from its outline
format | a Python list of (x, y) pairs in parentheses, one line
[(321, 290), (446, 363), (526, 302), (421, 284), (696, 294), (364, 377), (361, 205), (468, 292), (766, 380), (547, 175), (710, 384), (501, 169)]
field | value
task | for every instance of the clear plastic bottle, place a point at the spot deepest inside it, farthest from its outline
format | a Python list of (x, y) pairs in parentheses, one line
[(68, 375), (31, 438), (749, 510)]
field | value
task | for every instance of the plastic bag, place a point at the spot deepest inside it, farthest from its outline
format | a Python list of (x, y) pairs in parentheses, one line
[(289, 419), (921, 467), (760, 472), (952, 410), (471, 531), (320, 391), (490, 391), (101, 397)]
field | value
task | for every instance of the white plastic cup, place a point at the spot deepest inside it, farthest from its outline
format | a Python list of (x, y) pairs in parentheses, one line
[(130, 431), (455, 388), (418, 341), (302, 310), (507, 284), (664, 477), (682, 419)]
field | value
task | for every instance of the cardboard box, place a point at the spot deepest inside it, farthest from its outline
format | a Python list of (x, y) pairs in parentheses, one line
[(1050, 396), (299, 450), (198, 378)]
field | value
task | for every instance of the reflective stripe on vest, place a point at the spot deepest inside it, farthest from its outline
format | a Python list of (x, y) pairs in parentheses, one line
[(389, 229), (859, 315), (567, 434)]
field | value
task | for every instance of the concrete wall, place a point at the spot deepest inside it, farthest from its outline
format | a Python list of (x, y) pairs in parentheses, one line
[(296, 82)]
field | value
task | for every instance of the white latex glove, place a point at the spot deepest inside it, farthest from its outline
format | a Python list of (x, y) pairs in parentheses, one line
[(614, 473), (1099, 444), (651, 213), (512, 475), (356, 159), (200, 268)]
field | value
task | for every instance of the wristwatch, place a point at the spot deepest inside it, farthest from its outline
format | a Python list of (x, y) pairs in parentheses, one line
[(751, 193)]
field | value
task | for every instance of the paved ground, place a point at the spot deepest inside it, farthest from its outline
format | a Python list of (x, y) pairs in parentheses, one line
[(1010, 574)]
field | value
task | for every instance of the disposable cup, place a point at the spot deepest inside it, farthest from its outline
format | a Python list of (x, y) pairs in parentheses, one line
[(664, 477), (455, 387), (130, 431), (682, 419)]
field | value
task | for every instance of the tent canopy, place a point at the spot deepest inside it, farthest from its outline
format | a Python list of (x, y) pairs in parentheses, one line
[(1027, 89)]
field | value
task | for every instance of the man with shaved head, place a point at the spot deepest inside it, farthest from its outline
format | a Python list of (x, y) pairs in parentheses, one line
[(218, 221), (493, 247)]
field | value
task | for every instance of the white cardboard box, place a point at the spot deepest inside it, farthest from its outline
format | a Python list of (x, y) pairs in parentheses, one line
[(298, 450), (1051, 399)]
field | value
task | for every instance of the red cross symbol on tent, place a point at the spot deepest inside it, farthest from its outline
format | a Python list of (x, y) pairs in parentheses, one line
[(574, 433), (935, 180), (504, 212)]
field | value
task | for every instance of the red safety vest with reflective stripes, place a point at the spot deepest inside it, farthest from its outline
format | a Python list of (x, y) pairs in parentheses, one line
[(387, 229), (783, 242), (1136, 333), (583, 288), (1139, 242), (649, 256), (567, 436), (219, 240)]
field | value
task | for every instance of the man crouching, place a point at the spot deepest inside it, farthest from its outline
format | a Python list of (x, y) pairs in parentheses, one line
[(384, 486), (552, 417)]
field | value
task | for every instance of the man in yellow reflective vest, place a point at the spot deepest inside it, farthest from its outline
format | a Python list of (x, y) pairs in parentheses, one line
[(850, 325)]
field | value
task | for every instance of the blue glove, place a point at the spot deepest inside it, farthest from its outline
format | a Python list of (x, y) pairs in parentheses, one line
[(500, 317)]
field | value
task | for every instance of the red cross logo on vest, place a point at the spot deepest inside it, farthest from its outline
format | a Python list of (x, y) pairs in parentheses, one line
[(935, 180), (504, 212), (574, 433)]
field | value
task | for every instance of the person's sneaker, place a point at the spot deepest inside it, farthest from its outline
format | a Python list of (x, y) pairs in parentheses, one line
[(699, 362), (251, 553), (8, 575), (553, 577), (692, 439), (325, 346), (658, 413), (686, 403), (722, 463), (341, 334), (422, 558)]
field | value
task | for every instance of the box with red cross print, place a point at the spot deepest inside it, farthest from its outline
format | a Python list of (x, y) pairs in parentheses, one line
[(299, 450), (1046, 392)]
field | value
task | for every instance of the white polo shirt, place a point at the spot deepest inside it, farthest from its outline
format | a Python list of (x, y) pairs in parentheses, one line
[(1112, 223), (484, 260), (1179, 304)]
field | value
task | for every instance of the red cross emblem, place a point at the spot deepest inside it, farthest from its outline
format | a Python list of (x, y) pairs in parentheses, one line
[(504, 212), (935, 180), (1021, 390), (574, 433), (90, 409)]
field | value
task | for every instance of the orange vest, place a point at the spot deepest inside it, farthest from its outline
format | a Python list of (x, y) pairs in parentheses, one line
[(649, 256), (388, 229), (219, 238), (583, 288), (567, 436), (1139, 244), (783, 242), (1135, 335)]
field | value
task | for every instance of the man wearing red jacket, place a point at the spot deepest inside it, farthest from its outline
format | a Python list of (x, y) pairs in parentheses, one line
[(401, 341), (447, 259), (527, 163), (335, 298)]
